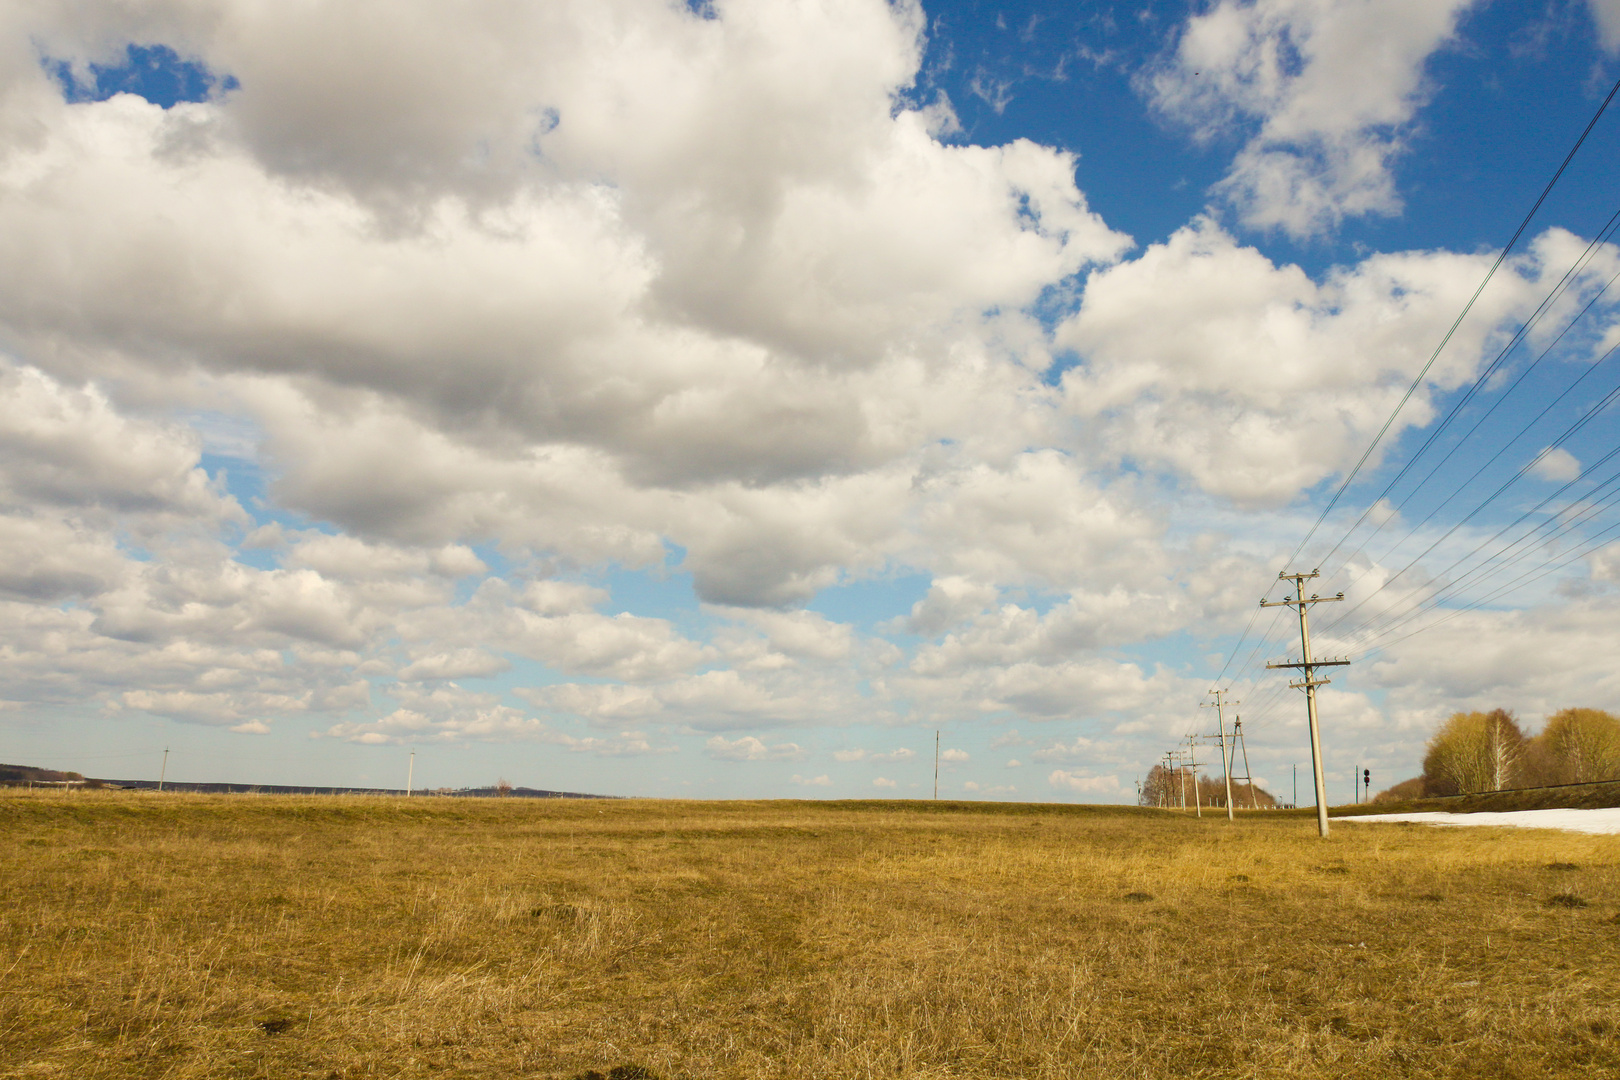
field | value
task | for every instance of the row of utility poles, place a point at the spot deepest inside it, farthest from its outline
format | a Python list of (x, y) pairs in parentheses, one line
[(1183, 760), (1184, 763)]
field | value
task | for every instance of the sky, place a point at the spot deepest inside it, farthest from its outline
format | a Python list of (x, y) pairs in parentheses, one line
[(720, 399)]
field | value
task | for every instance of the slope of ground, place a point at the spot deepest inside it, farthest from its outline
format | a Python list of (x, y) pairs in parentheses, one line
[(1563, 797), (194, 936)]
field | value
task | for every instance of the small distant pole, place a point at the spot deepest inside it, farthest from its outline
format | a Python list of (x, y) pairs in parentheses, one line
[(1295, 803), (410, 775), (1192, 757), (163, 772), (936, 763)]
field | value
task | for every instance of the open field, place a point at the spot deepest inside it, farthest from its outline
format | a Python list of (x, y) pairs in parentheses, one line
[(241, 936)]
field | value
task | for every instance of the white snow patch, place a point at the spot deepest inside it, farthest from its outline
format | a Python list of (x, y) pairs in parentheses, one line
[(1606, 820)]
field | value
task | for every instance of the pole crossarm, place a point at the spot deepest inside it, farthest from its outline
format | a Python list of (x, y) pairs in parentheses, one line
[(1311, 663)]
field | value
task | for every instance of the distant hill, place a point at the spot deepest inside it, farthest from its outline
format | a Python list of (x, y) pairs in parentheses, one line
[(21, 775)]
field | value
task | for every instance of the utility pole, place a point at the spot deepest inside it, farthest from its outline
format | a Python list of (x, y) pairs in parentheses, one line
[(163, 772), (1220, 722), (1295, 803), (1192, 759), (936, 764), (1309, 683), (410, 775)]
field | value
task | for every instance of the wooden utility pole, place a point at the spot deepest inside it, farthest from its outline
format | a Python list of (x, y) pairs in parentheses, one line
[(1309, 683), (164, 771), (410, 775), (1220, 722), (936, 764), (1192, 759)]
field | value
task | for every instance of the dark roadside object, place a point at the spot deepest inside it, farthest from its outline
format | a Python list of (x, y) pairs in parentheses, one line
[(1138, 897)]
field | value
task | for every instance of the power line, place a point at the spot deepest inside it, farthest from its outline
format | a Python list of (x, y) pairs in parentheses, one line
[(1500, 258), (1610, 397), (1457, 408), (1444, 341)]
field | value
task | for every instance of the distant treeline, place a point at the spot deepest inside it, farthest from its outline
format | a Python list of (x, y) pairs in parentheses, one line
[(21, 775), (1490, 751), (1170, 787)]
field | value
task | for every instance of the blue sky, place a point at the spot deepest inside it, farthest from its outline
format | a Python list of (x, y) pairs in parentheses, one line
[(726, 402)]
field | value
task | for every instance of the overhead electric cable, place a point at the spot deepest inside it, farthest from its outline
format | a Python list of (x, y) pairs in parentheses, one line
[(1559, 524), (1517, 521), (1500, 258), (1600, 540), (1418, 381), (1503, 449), (1479, 382)]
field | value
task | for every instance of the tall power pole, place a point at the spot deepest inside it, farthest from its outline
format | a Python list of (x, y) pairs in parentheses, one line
[(936, 764), (163, 772), (1220, 721), (410, 775), (1309, 684)]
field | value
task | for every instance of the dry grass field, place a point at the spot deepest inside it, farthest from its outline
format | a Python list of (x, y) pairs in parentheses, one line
[(146, 935)]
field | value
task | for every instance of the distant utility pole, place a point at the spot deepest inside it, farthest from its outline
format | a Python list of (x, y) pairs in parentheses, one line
[(163, 772), (1309, 684), (1192, 759), (1295, 803), (1220, 721), (410, 775), (1366, 785)]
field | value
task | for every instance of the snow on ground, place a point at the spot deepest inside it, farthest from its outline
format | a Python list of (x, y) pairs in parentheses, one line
[(1586, 821)]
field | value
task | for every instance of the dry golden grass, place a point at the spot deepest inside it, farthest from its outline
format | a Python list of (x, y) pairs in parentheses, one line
[(179, 936)]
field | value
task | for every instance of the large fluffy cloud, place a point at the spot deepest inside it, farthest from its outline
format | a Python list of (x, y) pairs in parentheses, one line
[(1326, 86), (1205, 357)]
